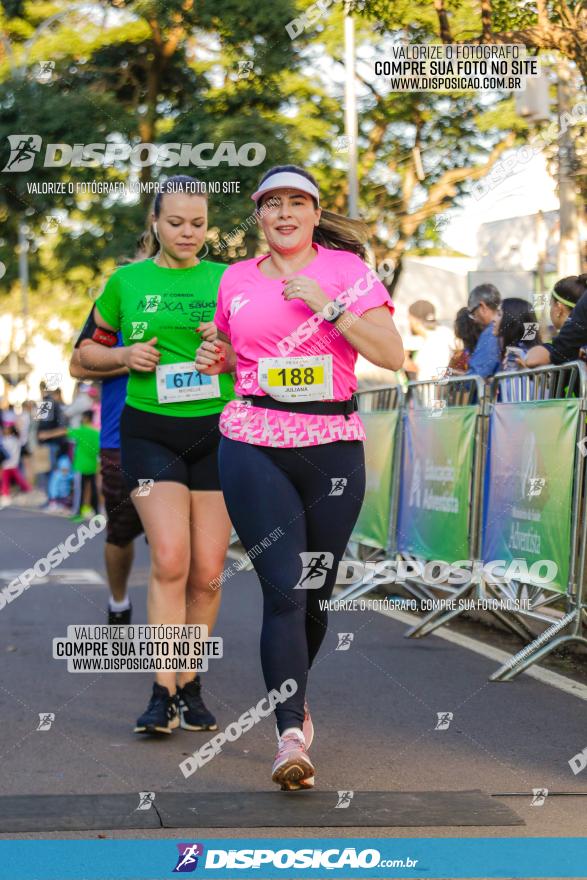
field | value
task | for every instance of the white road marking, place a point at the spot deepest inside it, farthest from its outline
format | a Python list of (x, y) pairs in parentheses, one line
[(77, 576), (546, 676)]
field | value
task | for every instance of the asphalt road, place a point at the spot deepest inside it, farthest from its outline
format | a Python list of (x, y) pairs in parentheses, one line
[(375, 709)]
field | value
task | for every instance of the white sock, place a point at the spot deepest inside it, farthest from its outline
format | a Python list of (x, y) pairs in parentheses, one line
[(295, 730), (119, 606)]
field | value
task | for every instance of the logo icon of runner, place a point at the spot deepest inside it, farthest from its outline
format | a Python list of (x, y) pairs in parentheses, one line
[(444, 719), (138, 329), (338, 484), (188, 857), (539, 796), (46, 719), (344, 641), (344, 800), (146, 799), (152, 303), (315, 568), (23, 149)]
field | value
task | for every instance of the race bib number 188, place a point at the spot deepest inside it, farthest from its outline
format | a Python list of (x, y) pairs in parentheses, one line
[(297, 378)]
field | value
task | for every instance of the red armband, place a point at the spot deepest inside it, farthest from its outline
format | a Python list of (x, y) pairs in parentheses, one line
[(104, 337)]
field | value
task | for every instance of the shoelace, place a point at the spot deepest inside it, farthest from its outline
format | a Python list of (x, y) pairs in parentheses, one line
[(290, 740), (172, 707), (193, 701)]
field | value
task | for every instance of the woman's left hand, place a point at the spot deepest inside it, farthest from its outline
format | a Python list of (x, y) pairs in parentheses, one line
[(306, 289), (208, 331)]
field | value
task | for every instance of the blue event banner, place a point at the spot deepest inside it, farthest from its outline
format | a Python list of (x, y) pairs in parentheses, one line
[(283, 857)]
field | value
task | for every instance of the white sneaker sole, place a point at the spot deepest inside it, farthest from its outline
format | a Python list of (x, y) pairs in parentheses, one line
[(293, 773), (197, 727), (302, 785), (308, 731), (154, 728)]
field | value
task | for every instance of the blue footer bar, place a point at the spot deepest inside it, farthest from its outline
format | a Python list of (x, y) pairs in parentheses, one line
[(291, 857)]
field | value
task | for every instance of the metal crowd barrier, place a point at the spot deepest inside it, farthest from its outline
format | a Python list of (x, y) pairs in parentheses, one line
[(435, 398), (367, 544), (567, 382), (432, 399)]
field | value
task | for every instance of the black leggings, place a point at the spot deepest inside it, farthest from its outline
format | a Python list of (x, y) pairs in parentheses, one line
[(296, 492)]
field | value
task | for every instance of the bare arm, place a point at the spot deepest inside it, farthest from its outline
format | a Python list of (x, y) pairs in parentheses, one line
[(374, 336), (51, 432), (142, 356), (538, 356), (99, 358), (79, 372)]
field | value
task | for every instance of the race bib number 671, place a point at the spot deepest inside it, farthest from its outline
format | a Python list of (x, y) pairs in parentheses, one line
[(179, 382)]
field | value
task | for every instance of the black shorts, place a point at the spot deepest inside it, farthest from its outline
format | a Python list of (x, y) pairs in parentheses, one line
[(123, 524), (170, 449)]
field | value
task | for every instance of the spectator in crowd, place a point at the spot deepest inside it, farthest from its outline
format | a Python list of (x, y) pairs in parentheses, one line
[(51, 418), (484, 308), (60, 486), (517, 330), (24, 427), (10, 472), (6, 413), (467, 333), (95, 393), (85, 462), (437, 341), (573, 333), (565, 295), (82, 402)]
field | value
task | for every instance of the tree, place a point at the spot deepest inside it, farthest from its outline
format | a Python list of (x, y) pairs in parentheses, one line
[(559, 25), (142, 71), (419, 152)]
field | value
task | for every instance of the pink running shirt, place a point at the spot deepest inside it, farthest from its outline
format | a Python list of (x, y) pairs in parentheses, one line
[(260, 324)]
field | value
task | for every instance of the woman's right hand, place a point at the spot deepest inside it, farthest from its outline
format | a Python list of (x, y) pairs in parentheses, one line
[(211, 357), (142, 356)]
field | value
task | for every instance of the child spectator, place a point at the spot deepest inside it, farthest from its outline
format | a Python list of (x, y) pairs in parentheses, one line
[(85, 462), (10, 471), (60, 486)]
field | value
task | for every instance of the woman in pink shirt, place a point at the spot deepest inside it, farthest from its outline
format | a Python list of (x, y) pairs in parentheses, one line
[(291, 455)]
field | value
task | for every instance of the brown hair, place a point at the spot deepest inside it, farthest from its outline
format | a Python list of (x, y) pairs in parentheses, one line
[(335, 231), (147, 243)]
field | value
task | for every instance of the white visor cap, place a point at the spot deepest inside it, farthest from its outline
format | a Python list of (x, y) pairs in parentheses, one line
[(287, 180)]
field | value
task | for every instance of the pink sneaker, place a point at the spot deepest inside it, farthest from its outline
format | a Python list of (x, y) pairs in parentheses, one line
[(308, 727), (292, 767)]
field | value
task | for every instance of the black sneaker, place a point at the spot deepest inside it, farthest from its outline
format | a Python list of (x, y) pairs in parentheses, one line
[(161, 715), (192, 711), (119, 618)]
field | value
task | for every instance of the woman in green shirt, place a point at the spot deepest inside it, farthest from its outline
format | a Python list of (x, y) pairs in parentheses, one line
[(163, 306)]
